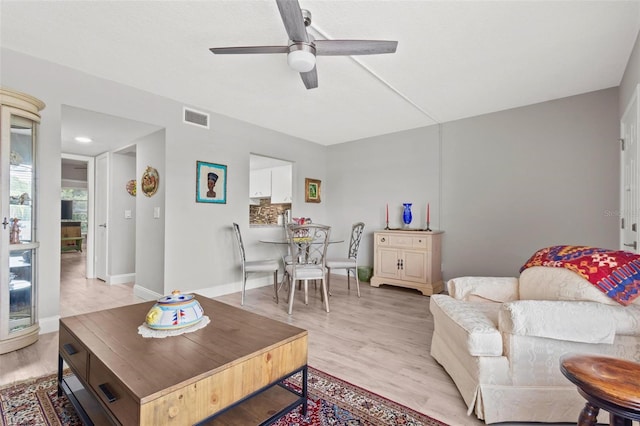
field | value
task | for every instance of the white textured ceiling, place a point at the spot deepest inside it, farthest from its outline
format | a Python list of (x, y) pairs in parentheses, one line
[(454, 59)]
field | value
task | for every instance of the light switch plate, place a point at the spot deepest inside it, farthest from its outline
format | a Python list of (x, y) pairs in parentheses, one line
[(156, 212), (127, 214)]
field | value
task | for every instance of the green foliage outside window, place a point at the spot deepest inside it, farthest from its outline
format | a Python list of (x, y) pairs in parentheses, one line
[(80, 198)]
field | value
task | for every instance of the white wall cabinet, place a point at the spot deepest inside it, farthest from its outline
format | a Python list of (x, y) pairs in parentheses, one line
[(260, 183), (281, 184), (408, 259), (19, 245)]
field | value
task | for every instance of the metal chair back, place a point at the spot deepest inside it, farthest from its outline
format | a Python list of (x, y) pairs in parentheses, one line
[(356, 236), (236, 229), (308, 244)]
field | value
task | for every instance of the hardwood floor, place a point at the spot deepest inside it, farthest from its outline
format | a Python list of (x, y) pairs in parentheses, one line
[(380, 341), (77, 295)]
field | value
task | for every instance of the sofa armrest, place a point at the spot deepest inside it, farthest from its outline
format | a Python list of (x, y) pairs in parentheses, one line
[(484, 289), (626, 319), (467, 324), (585, 322)]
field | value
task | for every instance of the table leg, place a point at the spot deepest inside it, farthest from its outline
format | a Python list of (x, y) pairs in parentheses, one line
[(304, 391), (59, 375), (588, 415), (615, 420)]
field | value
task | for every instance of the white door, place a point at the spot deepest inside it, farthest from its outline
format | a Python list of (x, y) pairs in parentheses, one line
[(630, 196), (102, 214)]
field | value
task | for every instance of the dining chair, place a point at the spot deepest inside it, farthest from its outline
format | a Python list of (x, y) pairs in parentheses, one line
[(350, 263), (308, 247), (268, 265)]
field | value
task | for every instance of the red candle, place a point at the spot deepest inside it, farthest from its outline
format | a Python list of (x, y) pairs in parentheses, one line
[(428, 213), (387, 213)]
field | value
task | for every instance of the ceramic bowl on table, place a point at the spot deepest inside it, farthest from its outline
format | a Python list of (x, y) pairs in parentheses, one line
[(174, 311)]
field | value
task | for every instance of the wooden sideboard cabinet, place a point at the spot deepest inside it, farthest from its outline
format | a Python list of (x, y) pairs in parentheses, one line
[(408, 259)]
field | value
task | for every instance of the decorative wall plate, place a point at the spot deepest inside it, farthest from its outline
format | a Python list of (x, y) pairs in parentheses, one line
[(150, 181), (131, 187)]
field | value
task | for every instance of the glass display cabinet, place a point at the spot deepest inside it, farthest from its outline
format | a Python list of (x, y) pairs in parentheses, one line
[(19, 118)]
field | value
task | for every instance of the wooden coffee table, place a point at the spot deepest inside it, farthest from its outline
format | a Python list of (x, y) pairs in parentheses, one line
[(228, 372), (607, 383)]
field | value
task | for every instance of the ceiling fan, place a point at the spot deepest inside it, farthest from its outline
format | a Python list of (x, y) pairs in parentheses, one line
[(302, 48)]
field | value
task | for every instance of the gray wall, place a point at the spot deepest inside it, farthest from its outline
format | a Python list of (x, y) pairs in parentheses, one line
[(122, 231), (500, 185), (74, 173), (150, 231), (526, 178)]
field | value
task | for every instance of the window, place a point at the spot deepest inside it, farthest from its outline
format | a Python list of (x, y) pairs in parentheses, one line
[(79, 198)]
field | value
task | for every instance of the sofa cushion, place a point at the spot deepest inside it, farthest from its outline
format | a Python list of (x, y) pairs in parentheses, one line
[(483, 289), (585, 322), (472, 325)]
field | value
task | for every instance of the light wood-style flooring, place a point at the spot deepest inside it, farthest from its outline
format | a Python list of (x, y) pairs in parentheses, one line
[(380, 341)]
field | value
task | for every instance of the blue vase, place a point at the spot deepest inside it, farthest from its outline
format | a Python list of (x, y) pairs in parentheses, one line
[(406, 214)]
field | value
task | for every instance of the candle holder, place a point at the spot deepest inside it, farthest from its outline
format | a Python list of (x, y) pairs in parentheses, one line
[(428, 228), (387, 218)]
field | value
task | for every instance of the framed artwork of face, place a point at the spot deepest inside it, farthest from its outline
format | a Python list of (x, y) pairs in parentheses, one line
[(211, 183)]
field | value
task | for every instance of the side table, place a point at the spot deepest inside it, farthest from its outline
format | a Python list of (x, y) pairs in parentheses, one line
[(607, 383)]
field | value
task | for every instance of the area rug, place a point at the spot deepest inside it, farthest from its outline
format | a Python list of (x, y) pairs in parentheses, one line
[(331, 401)]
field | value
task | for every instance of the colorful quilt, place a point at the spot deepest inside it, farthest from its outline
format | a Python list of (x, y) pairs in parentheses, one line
[(614, 272)]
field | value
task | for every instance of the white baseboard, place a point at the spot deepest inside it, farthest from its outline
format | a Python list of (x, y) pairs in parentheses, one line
[(49, 324), (121, 279), (222, 290), (145, 293)]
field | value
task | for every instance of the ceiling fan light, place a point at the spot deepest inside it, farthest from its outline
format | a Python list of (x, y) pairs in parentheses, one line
[(301, 60)]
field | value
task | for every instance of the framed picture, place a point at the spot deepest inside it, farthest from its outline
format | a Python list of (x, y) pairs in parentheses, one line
[(211, 183), (312, 190)]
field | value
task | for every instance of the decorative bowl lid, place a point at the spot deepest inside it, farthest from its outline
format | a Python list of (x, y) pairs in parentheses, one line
[(176, 297), (176, 310)]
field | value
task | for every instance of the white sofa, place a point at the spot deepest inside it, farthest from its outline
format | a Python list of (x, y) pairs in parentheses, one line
[(500, 339)]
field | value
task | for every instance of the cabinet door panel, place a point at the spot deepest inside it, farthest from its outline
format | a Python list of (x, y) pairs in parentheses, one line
[(281, 185), (260, 183), (414, 266), (387, 263)]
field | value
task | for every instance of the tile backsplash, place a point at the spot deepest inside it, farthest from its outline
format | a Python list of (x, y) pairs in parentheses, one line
[(266, 213)]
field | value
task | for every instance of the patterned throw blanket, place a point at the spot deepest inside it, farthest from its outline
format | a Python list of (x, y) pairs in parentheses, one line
[(614, 272)]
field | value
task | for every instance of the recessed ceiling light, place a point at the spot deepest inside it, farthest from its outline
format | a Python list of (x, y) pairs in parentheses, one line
[(83, 139)]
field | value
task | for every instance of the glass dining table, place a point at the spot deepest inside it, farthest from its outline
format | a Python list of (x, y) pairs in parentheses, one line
[(284, 241), (301, 240)]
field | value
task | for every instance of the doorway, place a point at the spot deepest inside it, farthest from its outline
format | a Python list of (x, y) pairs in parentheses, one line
[(85, 135), (77, 198), (630, 188)]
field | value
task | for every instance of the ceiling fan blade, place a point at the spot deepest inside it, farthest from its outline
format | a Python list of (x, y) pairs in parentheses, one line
[(249, 49), (310, 78), (293, 21), (354, 47)]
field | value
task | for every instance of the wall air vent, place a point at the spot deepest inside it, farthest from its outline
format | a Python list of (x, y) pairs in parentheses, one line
[(196, 118)]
